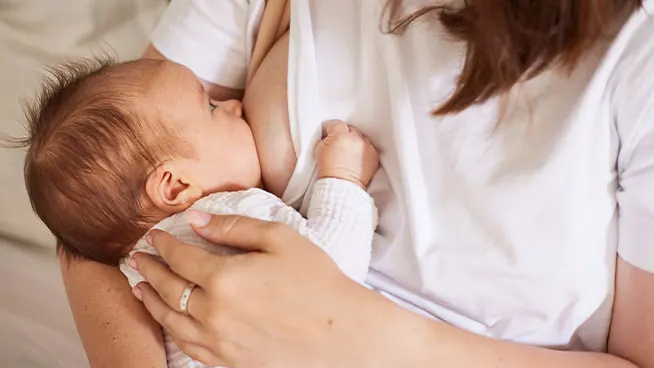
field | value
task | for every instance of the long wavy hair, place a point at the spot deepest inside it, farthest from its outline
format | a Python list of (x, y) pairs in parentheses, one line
[(513, 40)]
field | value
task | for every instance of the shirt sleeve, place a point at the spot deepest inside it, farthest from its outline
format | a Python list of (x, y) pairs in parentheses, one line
[(209, 37), (634, 117)]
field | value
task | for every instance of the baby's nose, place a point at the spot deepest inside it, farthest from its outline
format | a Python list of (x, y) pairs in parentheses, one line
[(233, 107)]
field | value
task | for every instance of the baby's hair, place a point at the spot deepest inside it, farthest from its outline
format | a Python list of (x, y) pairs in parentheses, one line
[(91, 144)]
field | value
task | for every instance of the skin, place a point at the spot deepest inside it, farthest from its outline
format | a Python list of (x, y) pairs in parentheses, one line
[(341, 324), (266, 110), (98, 298), (215, 147)]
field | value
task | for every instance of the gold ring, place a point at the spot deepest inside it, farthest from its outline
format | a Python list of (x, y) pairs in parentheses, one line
[(186, 295)]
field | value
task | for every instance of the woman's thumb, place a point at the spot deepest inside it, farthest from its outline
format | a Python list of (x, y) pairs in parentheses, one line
[(234, 231)]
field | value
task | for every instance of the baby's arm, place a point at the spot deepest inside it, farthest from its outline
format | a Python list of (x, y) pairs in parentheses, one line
[(342, 216)]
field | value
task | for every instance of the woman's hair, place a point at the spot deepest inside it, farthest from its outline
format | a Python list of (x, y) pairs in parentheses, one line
[(512, 40)]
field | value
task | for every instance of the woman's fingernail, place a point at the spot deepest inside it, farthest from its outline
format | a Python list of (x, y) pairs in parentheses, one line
[(197, 218), (132, 263), (148, 238), (138, 294)]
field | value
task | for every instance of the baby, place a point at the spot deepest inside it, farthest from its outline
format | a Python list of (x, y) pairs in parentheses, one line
[(117, 149)]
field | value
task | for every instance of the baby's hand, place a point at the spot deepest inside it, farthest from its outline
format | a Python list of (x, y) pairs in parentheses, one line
[(345, 154)]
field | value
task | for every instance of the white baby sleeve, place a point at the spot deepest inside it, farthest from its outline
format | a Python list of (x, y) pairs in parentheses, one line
[(341, 220)]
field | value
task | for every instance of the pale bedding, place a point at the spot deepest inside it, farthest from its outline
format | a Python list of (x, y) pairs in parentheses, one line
[(36, 328)]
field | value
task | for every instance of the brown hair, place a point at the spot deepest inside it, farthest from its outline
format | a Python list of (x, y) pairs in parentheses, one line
[(512, 40), (87, 159)]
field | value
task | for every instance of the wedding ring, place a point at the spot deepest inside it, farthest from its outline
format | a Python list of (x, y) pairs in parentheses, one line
[(186, 295)]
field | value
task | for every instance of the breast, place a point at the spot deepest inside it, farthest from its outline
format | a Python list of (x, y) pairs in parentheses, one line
[(266, 109)]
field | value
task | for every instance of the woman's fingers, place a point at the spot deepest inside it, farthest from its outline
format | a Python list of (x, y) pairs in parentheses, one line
[(243, 233), (169, 286), (188, 261), (179, 325)]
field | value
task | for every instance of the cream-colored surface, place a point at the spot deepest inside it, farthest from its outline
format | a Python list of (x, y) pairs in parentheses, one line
[(36, 327), (34, 33)]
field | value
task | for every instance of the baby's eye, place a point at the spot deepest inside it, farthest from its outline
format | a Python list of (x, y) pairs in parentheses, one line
[(212, 106)]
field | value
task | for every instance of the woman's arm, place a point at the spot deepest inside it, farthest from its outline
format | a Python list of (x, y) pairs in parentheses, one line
[(115, 329), (631, 339), (632, 326), (338, 323)]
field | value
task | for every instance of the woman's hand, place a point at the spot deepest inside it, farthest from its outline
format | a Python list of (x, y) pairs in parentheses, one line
[(283, 302)]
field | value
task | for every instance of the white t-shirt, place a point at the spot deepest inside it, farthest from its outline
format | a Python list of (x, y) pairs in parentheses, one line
[(509, 230)]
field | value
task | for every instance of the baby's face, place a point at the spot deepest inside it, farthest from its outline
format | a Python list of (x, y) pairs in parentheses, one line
[(223, 156)]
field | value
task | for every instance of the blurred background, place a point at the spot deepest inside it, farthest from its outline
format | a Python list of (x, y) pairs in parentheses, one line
[(36, 327)]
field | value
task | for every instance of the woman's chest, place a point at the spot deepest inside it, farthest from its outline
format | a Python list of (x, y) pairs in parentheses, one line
[(500, 219), (388, 86), (481, 208), (478, 184)]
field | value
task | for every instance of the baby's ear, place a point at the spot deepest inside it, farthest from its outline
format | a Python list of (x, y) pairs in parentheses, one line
[(169, 190)]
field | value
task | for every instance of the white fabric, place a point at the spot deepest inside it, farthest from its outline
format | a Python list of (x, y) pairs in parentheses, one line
[(507, 229), (341, 220), (219, 38), (36, 325)]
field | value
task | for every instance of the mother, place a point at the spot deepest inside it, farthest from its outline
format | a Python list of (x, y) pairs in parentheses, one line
[(517, 145)]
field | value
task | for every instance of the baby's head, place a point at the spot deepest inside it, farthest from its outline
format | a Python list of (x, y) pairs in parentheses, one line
[(115, 148)]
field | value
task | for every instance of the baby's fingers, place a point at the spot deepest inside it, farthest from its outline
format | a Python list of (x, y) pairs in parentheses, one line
[(357, 131), (336, 127)]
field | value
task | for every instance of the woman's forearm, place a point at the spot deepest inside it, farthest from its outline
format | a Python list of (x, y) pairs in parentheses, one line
[(115, 329), (631, 336), (459, 348), (437, 344)]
